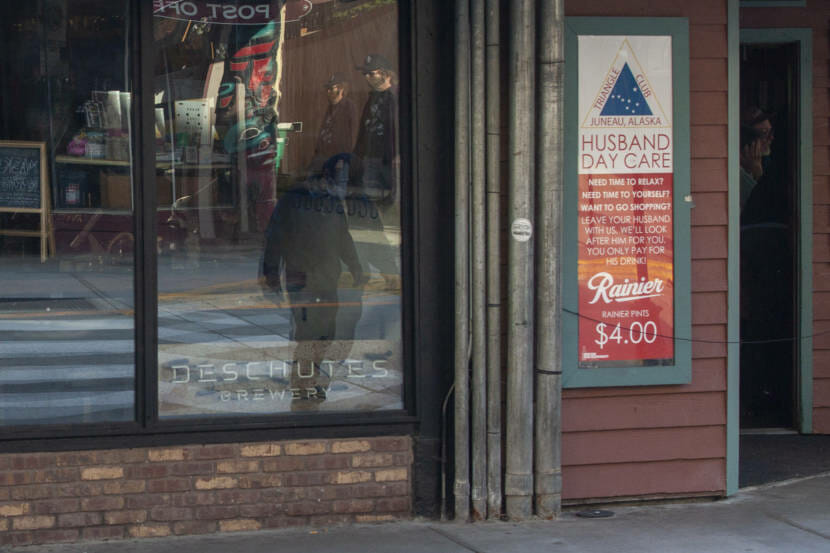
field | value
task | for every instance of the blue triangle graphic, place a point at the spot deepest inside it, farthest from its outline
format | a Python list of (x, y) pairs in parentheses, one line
[(626, 98)]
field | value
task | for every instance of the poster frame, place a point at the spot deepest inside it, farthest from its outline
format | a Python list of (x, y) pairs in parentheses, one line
[(680, 371)]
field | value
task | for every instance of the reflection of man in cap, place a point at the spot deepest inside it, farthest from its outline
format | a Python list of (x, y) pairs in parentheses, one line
[(756, 145), (376, 146), (338, 128), (371, 205)]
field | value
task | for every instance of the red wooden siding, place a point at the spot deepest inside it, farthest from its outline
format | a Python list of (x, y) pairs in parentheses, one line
[(682, 477), (670, 440), (815, 16), (644, 445)]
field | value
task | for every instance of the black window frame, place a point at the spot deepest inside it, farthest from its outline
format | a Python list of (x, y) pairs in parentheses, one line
[(423, 339)]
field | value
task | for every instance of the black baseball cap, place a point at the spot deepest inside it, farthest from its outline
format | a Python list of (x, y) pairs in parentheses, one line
[(373, 62), (335, 78)]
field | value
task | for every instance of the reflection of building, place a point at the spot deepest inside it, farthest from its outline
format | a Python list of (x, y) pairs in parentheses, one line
[(142, 367)]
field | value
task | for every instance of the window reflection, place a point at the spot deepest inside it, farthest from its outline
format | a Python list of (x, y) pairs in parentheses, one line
[(278, 196)]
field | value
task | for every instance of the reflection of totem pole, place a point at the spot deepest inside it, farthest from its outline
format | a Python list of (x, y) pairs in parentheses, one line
[(248, 102)]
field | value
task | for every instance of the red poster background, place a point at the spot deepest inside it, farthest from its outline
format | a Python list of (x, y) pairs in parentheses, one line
[(626, 271)]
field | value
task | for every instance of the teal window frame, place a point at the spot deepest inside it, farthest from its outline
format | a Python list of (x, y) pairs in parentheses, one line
[(681, 371)]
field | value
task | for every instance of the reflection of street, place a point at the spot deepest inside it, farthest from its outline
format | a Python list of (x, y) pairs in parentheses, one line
[(68, 368), (68, 355)]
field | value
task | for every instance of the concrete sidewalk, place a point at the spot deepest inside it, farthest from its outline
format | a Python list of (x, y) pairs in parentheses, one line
[(791, 516)]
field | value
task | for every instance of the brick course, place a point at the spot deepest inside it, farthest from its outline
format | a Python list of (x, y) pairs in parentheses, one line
[(202, 489)]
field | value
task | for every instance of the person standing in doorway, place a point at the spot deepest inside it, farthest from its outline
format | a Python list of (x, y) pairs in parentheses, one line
[(756, 147), (766, 271)]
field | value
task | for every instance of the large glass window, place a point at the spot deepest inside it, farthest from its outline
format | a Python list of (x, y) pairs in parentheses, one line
[(278, 189), (274, 180), (67, 329)]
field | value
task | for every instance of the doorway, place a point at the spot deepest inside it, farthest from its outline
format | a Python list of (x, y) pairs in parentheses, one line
[(788, 75), (769, 239)]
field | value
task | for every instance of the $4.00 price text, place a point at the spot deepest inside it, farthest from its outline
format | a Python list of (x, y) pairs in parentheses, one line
[(637, 332)]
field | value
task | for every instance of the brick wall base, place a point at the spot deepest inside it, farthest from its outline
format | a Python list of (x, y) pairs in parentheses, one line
[(200, 489)]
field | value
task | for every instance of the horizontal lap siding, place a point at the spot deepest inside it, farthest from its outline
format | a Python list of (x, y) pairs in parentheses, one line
[(669, 440), (644, 445), (644, 411), (815, 16), (681, 477)]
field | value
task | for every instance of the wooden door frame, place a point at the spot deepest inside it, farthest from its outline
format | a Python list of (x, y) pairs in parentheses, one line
[(804, 192)]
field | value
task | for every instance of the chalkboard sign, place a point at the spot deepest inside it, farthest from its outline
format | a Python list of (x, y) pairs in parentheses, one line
[(21, 175), (24, 188)]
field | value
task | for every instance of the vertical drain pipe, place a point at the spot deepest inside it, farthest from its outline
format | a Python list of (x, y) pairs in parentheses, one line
[(462, 268), (519, 470), (494, 311), (479, 266), (549, 186)]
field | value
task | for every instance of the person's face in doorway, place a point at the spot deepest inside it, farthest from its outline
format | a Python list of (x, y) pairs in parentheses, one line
[(765, 136)]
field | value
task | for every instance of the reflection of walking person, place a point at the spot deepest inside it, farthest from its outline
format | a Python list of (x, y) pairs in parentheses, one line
[(307, 237), (376, 145), (373, 195), (339, 122)]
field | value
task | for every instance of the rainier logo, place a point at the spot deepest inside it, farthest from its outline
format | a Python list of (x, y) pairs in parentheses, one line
[(608, 291)]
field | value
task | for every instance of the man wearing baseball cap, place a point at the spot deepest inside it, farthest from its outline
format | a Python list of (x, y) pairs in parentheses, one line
[(374, 185), (337, 130), (376, 145)]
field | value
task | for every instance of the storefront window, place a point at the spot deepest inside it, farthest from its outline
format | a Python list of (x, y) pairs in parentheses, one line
[(67, 330), (278, 193)]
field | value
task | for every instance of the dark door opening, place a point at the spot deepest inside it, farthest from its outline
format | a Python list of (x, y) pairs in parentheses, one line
[(769, 234)]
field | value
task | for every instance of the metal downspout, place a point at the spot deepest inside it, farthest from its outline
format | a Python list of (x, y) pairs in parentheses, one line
[(494, 308), (549, 188), (462, 269), (479, 268), (519, 467)]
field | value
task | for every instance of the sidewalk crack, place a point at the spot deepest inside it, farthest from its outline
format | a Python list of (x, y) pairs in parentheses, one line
[(455, 540), (794, 524)]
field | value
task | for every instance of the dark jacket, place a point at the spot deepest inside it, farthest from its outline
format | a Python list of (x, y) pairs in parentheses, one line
[(308, 236), (337, 130), (376, 146)]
